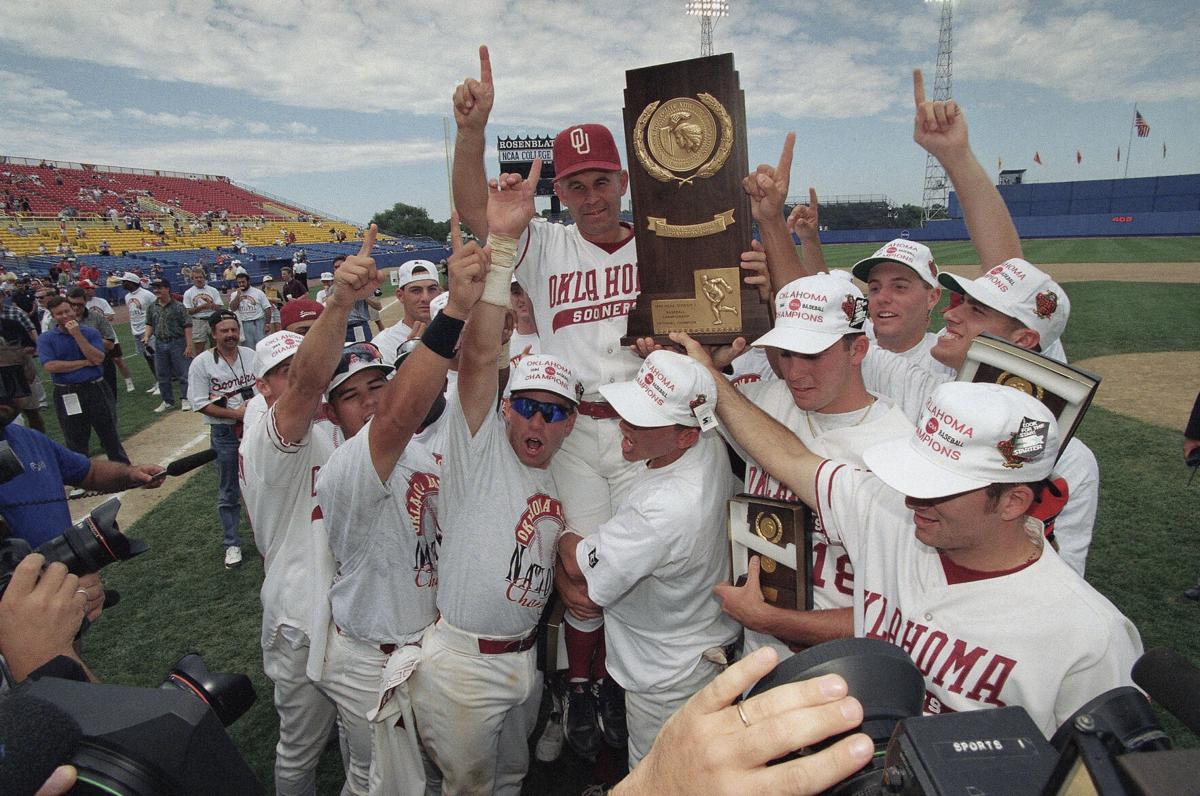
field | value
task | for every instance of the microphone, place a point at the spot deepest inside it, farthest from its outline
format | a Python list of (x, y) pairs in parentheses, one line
[(36, 737), (1173, 682), (191, 462)]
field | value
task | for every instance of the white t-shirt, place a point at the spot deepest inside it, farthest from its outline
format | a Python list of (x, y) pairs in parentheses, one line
[(390, 339), (1041, 637), (279, 484), (138, 302), (519, 342), (752, 366), (500, 522), (322, 295), (581, 296), (385, 539), (208, 296), (653, 565), (838, 436), (250, 304), (918, 354), (908, 385), (211, 378), (256, 410), (97, 303)]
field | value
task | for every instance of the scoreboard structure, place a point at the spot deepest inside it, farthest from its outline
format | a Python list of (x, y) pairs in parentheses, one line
[(516, 157)]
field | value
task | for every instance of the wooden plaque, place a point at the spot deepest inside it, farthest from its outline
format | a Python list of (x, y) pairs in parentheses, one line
[(685, 129), (1066, 391), (780, 532)]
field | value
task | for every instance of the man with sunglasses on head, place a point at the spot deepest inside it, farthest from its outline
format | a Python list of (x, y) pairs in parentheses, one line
[(220, 384), (379, 496), (501, 519), (280, 458)]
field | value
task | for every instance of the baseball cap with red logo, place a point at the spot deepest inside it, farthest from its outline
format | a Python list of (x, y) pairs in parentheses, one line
[(275, 349), (669, 389), (814, 312), (585, 147), (916, 256), (544, 372), (968, 436), (299, 311), (1019, 290)]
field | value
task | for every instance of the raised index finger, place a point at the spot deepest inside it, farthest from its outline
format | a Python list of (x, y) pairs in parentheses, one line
[(485, 66), (368, 241), (918, 88), (784, 169), (535, 171), (456, 241)]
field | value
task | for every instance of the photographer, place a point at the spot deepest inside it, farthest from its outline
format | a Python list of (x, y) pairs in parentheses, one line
[(40, 613)]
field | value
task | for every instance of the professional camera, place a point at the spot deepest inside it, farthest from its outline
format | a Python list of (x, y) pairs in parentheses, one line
[(129, 741), (246, 393), (1112, 746), (86, 547)]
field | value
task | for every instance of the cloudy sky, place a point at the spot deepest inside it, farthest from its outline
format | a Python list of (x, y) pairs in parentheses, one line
[(339, 104)]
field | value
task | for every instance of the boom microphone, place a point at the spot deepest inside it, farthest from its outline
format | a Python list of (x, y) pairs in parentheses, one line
[(1173, 682), (36, 737), (191, 462)]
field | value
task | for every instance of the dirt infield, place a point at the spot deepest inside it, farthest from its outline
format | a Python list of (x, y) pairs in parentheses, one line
[(1157, 388)]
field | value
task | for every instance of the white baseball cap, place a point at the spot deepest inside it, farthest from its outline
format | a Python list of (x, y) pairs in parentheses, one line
[(814, 312), (356, 357), (1022, 291), (916, 256), (326, 276), (669, 389), (130, 276), (438, 303), (241, 272), (544, 372), (273, 349), (266, 278), (968, 436), (416, 271)]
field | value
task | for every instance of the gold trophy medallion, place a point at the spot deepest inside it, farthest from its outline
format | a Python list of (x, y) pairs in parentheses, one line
[(1021, 383), (768, 564), (769, 527), (681, 135)]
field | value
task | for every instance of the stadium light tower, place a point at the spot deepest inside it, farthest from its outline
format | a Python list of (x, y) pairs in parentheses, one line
[(934, 197), (707, 10)]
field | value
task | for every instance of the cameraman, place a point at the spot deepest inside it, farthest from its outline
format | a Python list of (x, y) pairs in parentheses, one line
[(40, 613)]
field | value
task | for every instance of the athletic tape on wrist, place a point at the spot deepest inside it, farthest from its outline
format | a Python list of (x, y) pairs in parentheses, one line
[(441, 336), (497, 287)]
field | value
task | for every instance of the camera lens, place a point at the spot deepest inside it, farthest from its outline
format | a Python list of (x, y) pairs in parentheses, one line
[(93, 543), (229, 695)]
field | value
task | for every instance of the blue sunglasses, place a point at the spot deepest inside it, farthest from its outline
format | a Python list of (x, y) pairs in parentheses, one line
[(551, 413)]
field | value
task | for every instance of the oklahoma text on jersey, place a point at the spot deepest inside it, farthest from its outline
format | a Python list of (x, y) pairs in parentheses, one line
[(529, 583)]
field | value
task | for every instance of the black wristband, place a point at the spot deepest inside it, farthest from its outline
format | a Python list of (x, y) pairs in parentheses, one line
[(441, 336)]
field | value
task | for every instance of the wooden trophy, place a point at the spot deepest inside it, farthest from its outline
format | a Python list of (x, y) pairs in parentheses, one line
[(685, 128), (1065, 390), (781, 533)]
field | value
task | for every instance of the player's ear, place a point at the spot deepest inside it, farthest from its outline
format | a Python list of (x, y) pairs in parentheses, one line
[(935, 295), (624, 181), (1025, 338), (688, 437), (1016, 502)]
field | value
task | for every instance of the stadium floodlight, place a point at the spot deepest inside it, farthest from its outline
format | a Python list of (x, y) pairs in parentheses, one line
[(707, 10)]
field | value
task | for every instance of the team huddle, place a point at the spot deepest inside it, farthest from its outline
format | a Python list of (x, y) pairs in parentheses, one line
[(418, 510)]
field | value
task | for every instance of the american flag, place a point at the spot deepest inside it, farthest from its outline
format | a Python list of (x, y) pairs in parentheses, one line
[(1143, 127)]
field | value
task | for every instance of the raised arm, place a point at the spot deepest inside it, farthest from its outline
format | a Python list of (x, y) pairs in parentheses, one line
[(422, 377), (472, 106), (766, 440), (767, 188), (805, 222), (509, 209), (314, 362), (940, 128)]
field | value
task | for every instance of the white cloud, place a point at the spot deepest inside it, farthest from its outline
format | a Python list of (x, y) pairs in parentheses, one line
[(299, 128), (186, 121), (258, 128)]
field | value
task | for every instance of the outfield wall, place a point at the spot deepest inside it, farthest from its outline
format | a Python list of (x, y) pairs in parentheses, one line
[(1091, 225)]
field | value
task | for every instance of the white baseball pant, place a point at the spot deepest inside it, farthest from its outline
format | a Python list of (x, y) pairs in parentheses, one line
[(306, 718), (646, 713)]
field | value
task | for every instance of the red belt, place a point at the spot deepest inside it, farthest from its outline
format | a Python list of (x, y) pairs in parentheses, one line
[(493, 646), (598, 410)]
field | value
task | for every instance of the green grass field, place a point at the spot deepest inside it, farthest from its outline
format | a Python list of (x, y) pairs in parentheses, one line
[(178, 597), (1045, 251)]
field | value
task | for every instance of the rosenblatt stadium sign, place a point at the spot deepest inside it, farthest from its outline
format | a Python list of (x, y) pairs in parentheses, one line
[(524, 150)]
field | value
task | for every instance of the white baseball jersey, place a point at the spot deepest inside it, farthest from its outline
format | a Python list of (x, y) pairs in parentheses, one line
[(97, 303), (256, 410), (390, 339), (1039, 637), (207, 296), (909, 385), (918, 354), (581, 295), (842, 436), (385, 539), (250, 304), (322, 295), (137, 303), (500, 522), (652, 568), (752, 366), (279, 484), (211, 378)]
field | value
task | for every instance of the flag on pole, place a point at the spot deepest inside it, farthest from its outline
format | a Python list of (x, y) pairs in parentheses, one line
[(1143, 127), (1078, 156), (1118, 154), (1000, 162), (1164, 149), (1037, 158)]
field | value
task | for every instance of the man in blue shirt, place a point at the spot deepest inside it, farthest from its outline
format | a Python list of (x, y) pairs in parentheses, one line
[(73, 355)]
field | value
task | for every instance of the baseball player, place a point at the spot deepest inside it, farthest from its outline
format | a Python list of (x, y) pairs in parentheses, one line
[(280, 459), (819, 347), (653, 565), (200, 300), (417, 286), (252, 307), (947, 565), (581, 280), (477, 689), (137, 300)]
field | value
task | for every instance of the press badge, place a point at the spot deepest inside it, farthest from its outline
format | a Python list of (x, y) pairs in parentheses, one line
[(71, 404)]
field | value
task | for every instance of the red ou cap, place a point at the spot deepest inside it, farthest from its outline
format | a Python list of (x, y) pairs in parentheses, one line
[(584, 147), (297, 310)]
